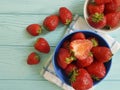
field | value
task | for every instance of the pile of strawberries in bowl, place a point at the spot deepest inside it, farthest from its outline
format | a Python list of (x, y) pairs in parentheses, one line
[(82, 59), (102, 14)]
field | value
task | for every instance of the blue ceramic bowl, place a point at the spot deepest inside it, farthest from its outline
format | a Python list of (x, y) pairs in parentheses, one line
[(60, 73)]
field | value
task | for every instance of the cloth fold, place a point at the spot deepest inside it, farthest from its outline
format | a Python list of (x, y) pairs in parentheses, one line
[(78, 23)]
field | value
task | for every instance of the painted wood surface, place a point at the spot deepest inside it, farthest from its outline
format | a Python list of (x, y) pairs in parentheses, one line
[(16, 44)]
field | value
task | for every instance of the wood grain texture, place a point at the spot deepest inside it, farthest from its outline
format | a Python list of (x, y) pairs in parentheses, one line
[(16, 44)]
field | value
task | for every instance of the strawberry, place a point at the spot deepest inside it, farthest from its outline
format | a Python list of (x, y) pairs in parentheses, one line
[(42, 45), (94, 41), (65, 15), (97, 70), (102, 53), (93, 8), (85, 62), (69, 69), (34, 29), (112, 20), (64, 58), (97, 20), (81, 80), (78, 35), (102, 1), (66, 44), (33, 59), (112, 6), (81, 48), (51, 22)]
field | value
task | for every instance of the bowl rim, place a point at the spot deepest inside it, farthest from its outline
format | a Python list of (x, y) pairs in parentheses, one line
[(63, 39)]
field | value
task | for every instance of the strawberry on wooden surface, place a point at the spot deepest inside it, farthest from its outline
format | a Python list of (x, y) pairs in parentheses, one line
[(34, 29), (51, 22), (33, 58), (65, 15), (42, 45)]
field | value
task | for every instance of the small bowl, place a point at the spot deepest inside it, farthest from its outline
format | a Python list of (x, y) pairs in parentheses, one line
[(86, 15), (60, 73)]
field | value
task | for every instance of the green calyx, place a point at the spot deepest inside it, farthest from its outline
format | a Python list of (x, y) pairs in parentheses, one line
[(39, 31), (97, 17), (73, 76), (95, 78), (67, 21), (95, 43), (69, 59)]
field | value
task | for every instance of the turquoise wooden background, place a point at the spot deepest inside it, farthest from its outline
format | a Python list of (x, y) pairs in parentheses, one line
[(16, 44)]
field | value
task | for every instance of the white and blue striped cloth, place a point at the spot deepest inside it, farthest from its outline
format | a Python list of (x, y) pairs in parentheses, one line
[(78, 23)]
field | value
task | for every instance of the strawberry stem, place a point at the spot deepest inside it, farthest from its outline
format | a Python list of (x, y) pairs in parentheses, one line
[(97, 17)]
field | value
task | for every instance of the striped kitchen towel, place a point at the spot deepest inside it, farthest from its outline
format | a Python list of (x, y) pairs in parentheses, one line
[(78, 23)]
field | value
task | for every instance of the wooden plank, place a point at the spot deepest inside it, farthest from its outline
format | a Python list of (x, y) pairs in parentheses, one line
[(40, 85), (13, 63), (39, 6), (12, 30)]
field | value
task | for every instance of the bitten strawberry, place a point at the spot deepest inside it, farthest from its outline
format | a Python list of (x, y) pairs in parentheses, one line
[(69, 69), (102, 53), (97, 70), (34, 29), (66, 44), (42, 45), (97, 20), (93, 8), (81, 80), (33, 59), (81, 48), (78, 35), (64, 58), (65, 15), (51, 22)]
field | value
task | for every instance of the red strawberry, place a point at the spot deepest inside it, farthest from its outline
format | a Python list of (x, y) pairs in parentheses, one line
[(97, 20), (97, 70), (51, 22), (101, 53), (69, 69), (94, 41), (81, 48), (33, 58), (64, 58), (42, 45), (112, 20), (66, 44), (65, 15), (78, 35), (85, 62), (34, 29), (102, 1), (93, 8), (81, 80), (112, 6)]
